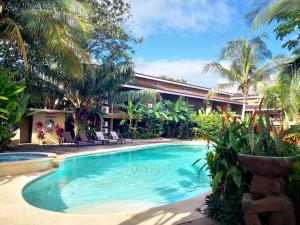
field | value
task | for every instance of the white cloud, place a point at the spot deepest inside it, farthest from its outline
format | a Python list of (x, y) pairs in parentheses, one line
[(153, 16), (188, 69)]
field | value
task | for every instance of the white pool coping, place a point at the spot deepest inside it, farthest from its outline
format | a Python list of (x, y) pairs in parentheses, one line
[(16, 211)]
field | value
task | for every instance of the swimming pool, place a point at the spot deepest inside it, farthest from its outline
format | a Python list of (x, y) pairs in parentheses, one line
[(24, 162), (151, 176), (12, 157)]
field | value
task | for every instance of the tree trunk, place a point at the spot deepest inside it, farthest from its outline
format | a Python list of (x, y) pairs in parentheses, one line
[(76, 124), (244, 105)]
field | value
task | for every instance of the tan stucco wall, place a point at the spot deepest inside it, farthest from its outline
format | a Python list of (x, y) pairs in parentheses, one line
[(24, 130), (50, 137)]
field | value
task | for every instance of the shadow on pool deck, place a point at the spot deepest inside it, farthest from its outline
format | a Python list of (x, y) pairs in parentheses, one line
[(159, 216)]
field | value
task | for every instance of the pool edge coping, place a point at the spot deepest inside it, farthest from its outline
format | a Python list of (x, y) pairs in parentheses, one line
[(32, 177)]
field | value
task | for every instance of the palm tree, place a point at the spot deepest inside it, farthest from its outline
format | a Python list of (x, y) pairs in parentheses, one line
[(266, 11), (98, 84), (54, 26), (247, 68)]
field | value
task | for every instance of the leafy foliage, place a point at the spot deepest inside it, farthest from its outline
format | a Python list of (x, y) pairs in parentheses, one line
[(208, 123), (178, 119), (261, 137), (12, 106), (85, 97), (285, 12), (247, 68), (228, 179), (172, 119), (56, 27)]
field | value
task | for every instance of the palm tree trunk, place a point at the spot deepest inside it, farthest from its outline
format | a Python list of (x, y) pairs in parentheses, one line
[(244, 104), (76, 124)]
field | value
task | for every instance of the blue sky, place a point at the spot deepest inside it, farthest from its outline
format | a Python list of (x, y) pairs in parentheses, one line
[(181, 36)]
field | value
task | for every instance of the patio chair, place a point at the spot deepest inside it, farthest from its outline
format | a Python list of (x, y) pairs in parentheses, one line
[(115, 136), (83, 137), (100, 137), (68, 139)]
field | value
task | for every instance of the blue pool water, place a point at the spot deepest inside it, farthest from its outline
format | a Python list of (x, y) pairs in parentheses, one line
[(152, 175), (11, 157)]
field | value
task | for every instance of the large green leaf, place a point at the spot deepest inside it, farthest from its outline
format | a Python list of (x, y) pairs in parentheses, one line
[(216, 180), (236, 175)]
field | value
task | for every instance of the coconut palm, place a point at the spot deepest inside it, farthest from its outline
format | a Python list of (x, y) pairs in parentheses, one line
[(265, 11), (246, 69), (54, 26)]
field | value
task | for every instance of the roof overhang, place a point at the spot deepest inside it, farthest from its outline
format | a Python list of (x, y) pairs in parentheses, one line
[(34, 110), (181, 94), (178, 83)]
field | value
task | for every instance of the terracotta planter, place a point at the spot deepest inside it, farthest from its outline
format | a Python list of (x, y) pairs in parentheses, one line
[(265, 165)]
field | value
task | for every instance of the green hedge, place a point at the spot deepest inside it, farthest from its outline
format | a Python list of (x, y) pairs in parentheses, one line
[(208, 124)]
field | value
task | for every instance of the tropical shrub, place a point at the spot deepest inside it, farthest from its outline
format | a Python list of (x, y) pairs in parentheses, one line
[(228, 179), (261, 137), (256, 135), (178, 122), (12, 106), (208, 124)]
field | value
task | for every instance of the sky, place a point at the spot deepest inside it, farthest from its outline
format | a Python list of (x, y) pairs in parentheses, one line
[(181, 36)]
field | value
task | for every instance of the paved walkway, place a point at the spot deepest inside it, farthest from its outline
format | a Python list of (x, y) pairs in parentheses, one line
[(62, 149)]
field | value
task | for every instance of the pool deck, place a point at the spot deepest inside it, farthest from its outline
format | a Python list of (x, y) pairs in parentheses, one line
[(16, 211)]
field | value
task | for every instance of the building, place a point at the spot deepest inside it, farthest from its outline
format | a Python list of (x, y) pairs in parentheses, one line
[(40, 121), (171, 90)]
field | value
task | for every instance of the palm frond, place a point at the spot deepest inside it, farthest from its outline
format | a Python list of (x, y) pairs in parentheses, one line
[(11, 33), (265, 11)]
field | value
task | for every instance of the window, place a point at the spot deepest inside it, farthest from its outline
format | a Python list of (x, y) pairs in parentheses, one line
[(186, 89), (158, 84)]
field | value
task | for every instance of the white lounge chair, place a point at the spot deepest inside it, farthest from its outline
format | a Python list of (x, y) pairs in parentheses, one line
[(100, 137), (115, 136)]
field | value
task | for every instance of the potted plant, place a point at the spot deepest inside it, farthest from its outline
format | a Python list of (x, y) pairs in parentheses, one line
[(266, 150)]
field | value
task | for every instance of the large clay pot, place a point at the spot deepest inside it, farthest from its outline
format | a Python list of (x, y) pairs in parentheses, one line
[(265, 165)]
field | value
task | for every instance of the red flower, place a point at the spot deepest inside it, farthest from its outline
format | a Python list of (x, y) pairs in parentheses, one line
[(222, 108)]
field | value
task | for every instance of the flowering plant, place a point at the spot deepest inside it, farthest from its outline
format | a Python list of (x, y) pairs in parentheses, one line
[(263, 138), (59, 130), (41, 130)]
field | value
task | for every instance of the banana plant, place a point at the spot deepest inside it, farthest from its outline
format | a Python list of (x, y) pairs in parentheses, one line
[(12, 106), (133, 115), (177, 113)]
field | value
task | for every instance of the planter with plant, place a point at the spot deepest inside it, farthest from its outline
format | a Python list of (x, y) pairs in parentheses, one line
[(228, 179), (240, 145), (268, 153)]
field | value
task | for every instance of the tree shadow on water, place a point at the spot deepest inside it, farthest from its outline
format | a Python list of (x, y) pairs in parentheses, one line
[(183, 212)]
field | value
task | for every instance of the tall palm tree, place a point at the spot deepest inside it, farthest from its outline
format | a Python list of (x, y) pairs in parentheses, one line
[(246, 69), (55, 26)]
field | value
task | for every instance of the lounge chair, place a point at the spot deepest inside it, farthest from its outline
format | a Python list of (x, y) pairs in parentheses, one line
[(84, 138), (115, 136), (68, 139), (100, 137)]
